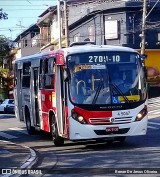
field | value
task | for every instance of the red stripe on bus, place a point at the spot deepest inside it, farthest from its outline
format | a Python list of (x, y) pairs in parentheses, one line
[(93, 114)]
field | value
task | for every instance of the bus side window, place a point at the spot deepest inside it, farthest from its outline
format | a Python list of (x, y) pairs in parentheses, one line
[(26, 74), (41, 75), (47, 75)]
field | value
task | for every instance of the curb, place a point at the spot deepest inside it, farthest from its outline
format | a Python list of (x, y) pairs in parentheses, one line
[(27, 164)]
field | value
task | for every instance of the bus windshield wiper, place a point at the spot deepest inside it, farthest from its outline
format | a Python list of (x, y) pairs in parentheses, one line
[(97, 91), (118, 90)]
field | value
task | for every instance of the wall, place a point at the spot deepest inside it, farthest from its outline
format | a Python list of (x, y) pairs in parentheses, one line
[(29, 49), (129, 17), (98, 22), (78, 10), (54, 29), (96, 32)]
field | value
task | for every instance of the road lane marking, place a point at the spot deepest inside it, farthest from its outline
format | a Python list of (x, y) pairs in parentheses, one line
[(154, 123), (5, 135), (153, 99), (152, 127), (152, 111), (154, 105), (19, 130), (155, 113), (3, 151)]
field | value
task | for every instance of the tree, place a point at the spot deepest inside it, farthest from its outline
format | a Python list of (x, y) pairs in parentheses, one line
[(3, 15), (6, 71)]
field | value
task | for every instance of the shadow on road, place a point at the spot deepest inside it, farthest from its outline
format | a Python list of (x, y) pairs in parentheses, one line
[(6, 116)]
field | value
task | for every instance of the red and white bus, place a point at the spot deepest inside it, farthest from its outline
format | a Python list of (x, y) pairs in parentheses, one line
[(82, 92)]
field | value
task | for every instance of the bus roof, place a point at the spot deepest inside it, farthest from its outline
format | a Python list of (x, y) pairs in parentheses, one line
[(80, 49), (97, 48)]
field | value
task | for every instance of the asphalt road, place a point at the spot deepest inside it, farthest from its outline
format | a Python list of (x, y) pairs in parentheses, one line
[(101, 158)]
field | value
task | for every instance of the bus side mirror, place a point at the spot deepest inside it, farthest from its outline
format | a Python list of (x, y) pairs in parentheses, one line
[(66, 75)]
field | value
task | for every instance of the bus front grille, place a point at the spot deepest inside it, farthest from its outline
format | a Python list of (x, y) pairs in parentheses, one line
[(110, 120)]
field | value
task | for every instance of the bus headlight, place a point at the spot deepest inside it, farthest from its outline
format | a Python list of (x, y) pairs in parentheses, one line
[(81, 119), (78, 117), (141, 114)]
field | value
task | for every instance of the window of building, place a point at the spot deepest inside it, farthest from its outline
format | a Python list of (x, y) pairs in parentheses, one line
[(25, 43), (158, 37), (33, 34), (111, 29)]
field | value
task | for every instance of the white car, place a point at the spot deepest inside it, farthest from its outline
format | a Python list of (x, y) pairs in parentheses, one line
[(7, 106)]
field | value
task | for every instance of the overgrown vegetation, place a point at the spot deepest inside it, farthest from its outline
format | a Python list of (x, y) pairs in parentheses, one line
[(3, 15), (6, 68)]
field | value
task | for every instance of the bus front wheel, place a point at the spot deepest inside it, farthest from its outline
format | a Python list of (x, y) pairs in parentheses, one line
[(30, 129), (58, 141)]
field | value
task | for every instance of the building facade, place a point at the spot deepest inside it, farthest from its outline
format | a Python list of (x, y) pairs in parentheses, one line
[(120, 23), (112, 23), (28, 41), (49, 29)]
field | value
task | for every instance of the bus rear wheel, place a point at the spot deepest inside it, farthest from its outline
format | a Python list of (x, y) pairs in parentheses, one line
[(58, 141), (30, 129)]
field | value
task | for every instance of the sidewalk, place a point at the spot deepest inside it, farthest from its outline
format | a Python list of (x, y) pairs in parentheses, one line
[(16, 156)]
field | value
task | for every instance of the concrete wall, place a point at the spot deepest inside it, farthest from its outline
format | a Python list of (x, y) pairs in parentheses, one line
[(28, 49), (98, 21), (78, 10), (129, 17)]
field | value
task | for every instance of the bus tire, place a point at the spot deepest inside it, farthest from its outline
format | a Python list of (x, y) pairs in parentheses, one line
[(30, 129), (58, 141)]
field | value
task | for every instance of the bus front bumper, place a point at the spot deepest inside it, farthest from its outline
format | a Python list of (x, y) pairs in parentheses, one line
[(80, 131)]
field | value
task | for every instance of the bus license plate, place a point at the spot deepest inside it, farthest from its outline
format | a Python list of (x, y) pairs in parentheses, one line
[(112, 129)]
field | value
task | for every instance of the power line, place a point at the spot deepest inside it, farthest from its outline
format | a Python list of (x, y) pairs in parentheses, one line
[(30, 0), (25, 5), (21, 9)]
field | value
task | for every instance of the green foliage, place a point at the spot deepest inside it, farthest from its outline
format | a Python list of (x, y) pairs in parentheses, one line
[(4, 72), (3, 15), (6, 79), (4, 46)]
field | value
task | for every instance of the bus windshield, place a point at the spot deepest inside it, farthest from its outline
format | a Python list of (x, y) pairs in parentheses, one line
[(106, 78)]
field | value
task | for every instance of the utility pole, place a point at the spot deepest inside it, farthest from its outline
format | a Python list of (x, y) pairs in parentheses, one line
[(59, 23), (66, 22), (143, 41)]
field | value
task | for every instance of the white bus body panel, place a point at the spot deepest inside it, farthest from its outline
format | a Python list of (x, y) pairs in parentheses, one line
[(80, 131), (18, 93)]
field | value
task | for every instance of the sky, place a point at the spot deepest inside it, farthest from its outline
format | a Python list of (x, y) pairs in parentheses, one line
[(21, 15)]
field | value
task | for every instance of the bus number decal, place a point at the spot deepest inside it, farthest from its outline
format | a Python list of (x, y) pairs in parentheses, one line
[(123, 113), (116, 58), (97, 59), (90, 59), (101, 59)]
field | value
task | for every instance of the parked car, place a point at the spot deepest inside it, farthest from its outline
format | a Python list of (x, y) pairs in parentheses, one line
[(7, 106)]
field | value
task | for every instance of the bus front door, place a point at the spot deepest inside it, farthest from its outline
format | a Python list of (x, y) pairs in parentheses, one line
[(18, 94), (60, 101), (35, 105)]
